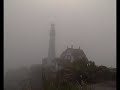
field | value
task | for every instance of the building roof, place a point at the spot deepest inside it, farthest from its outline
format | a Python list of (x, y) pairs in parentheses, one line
[(75, 53)]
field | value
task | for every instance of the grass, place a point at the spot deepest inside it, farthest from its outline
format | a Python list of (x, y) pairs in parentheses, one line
[(48, 85)]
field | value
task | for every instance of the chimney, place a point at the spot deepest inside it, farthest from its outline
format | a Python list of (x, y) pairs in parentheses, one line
[(79, 47)]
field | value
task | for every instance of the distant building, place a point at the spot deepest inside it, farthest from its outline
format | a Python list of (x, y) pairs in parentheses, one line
[(72, 54)]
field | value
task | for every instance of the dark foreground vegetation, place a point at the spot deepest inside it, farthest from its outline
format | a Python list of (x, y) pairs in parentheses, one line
[(78, 75)]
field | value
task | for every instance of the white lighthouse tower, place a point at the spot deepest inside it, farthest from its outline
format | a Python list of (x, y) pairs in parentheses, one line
[(51, 51)]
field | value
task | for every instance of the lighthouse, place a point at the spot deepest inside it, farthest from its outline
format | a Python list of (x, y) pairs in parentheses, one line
[(51, 51)]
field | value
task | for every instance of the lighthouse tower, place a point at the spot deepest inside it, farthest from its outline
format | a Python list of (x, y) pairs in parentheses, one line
[(51, 51)]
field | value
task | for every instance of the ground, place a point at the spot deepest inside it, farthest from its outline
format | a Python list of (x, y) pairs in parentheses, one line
[(111, 85)]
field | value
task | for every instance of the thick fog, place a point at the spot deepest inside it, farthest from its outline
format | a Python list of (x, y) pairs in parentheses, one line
[(90, 24)]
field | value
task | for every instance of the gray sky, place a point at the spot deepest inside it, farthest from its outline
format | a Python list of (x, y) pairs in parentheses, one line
[(90, 24)]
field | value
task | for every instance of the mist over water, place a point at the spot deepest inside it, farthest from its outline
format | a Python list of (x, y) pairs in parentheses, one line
[(90, 24)]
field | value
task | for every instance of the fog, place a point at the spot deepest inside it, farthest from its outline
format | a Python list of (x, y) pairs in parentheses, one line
[(90, 24)]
